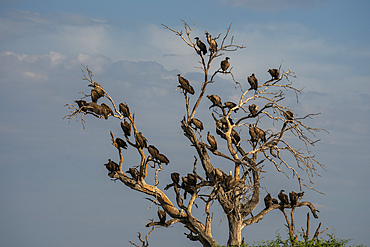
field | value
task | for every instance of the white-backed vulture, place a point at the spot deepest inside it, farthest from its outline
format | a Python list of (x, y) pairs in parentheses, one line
[(253, 109), (124, 109), (253, 81), (121, 143), (197, 123), (216, 101), (283, 199), (274, 73), (126, 128), (212, 141), (212, 43), (185, 85), (141, 140), (202, 47), (225, 64)]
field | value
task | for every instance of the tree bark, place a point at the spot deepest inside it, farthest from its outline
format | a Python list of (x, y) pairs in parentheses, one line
[(235, 229)]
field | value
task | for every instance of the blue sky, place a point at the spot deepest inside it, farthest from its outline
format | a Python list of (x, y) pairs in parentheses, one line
[(53, 185)]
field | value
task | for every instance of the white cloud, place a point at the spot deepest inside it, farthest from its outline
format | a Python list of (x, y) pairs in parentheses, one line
[(272, 5)]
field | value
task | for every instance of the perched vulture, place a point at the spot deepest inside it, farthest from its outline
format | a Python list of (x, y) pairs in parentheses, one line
[(95, 108), (225, 64), (283, 198), (198, 124), (293, 196), (253, 81), (126, 127), (161, 216), (212, 43), (153, 151), (96, 92), (134, 173), (275, 201), (253, 109), (274, 73), (268, 201), (175, 177), (187, 183), (252, 133), (230, 105), (202, 47), (106, 110), (124, 109), (260, 133), (141, 140), (288, 115), (229, 182), (300, 194), (81, 103), (212, 141), (185, 85), (216, 101), (121, 143), (192, 180), (112, 166), (162, 159), (235, 138)]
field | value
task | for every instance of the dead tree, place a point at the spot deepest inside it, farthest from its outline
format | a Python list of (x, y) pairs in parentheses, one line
[(238, 193)]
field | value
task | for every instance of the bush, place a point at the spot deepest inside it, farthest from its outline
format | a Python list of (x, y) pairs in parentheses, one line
[(329, 241)]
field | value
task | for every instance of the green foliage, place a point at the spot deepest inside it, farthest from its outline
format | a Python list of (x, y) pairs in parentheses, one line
[(330, 241)]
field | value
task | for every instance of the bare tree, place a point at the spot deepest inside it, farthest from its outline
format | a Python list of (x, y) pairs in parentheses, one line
[(238, 126)]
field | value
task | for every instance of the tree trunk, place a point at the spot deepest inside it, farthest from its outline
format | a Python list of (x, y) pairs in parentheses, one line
[(235, 229)]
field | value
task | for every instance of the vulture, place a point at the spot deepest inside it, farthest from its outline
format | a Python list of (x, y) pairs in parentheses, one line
[(274, 73), (230, 105), (293, 196), (95, 108), (96, 92), (126, 127), (153, 151), (288, 115), (162, 159), (161, 216), (212, 43), (235, 138), (121, 143), (188, 182), (252, 133), (268, 201), (275, 201), (81, 103), (300, 194), (198, 124), (225, 64), (253, 82), (112, 166), (202, 47), (229, 182), (123, 108), (283, 198), (253, 109), (106, 110), (192, 180), (185, 85), (134, 173), (175, 177), (260, 133), (141, 140), (212, 141), (216, 101)]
